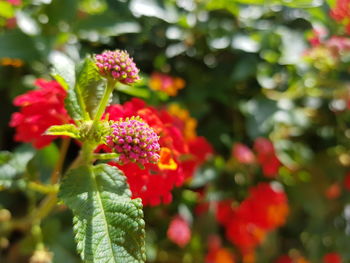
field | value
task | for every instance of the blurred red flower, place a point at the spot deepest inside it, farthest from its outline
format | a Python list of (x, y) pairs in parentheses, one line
[(40, 109), (15, 2), (284, 259), (179, 231), (166, 83), (341, 12), (332, 258), (333, 191), (265, 209), (347, 181), (267, 157), (224, 211), (243, 154), (221, 255)]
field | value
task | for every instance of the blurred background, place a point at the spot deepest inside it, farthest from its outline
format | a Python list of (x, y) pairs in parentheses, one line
[(244, 70)]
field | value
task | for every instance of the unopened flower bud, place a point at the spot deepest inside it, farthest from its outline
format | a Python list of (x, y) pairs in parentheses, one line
[(134, 140), (117, 65), (41, 256)]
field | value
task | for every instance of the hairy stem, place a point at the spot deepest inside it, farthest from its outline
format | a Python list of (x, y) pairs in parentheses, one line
[(105, 156), (58, 167), (44, 208), (42, 188)]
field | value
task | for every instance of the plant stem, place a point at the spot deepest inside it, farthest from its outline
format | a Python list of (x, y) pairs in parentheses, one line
[(58, 167), (105, 98), (105, 156), (42, 188), (45, 208)]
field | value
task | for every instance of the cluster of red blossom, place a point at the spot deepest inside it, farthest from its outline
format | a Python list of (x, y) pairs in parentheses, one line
[(217, 253), (265, 156), (334, 190), (265, 209), (179, 157), (40, 109), (341, 12), (166, 83)]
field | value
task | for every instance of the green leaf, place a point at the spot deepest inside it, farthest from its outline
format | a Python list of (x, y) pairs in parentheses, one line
[(65, 130), (230, 4), (108, 224), (11, 46), (64, 73), (13, 165), (136, 91), (91, 85)]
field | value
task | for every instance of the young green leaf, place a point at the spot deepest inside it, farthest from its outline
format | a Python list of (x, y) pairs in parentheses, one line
[(91, 85), (64, 73), (108, 224), (64, 130)]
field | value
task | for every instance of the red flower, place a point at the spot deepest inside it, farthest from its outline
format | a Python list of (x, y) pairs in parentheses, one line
[(284, 259), (199, 150), (332, 258), (151, 184), (179, 157), (347, 181), (165, 83), (266, 206), (263, 210), (333, 191), (222, 255), (15, 2), (341, 13), (267, 157), (224, 211), (243, 154), (263, 146), (244, 234), (179, 231), (40, 109)]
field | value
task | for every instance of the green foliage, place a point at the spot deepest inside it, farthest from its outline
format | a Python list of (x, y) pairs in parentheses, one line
[(91, 85), (108, 225), (294, 3), (13, 165), (85, 86), (65, 130), (11, 46), (64, 73)]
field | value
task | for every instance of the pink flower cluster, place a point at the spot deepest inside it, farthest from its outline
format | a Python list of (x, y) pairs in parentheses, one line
[(134, 140), (179, 231), (117, 65), (265, 156)]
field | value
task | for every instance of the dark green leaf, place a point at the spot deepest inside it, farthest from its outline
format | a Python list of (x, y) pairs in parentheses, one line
[(64, 73), (91, 85), (11, 46), (108, 224)]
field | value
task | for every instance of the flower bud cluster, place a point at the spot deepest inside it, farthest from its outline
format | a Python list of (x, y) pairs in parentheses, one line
[(134, 140), (117, 65)]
